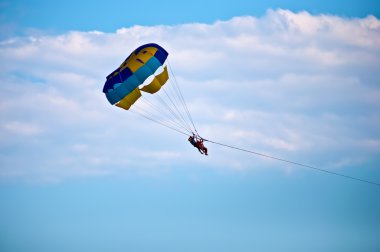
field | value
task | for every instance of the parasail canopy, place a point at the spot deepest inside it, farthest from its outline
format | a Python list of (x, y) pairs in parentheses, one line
[(123, 85), (145, 70)]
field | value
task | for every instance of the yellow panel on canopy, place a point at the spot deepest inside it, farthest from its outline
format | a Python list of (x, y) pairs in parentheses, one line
[(157, 82), (133, 64), (130, 99)]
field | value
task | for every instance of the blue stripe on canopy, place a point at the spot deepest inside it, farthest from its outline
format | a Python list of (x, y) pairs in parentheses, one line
[(153, 64), (132, 83), (143, 73), (121, 89), (113, 97)]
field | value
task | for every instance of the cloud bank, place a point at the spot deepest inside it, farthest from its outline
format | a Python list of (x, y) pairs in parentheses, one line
[(289, 84)]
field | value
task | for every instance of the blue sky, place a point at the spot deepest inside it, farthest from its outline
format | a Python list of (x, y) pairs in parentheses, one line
[(296, 80), (95, 15)]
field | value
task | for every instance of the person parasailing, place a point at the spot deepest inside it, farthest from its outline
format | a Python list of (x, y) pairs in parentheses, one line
[(197, 142)]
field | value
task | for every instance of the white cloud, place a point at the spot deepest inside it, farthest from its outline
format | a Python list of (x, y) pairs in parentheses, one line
[(289, 84), (21, 128)]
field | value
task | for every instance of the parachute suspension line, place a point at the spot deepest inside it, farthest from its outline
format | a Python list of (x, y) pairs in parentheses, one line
[(169, 102), (294, 163), (177, 100), (146, 113), (177, 90), (181, 97), (169, 108), (176, 108), (177, 93), (159, 122), (180, 105), (167, 112), (172, 120), (153, 117), (172, 103), (184, 106)]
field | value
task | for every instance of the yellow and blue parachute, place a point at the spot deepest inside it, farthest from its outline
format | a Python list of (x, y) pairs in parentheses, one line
[(146, 70), (122, 87)]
